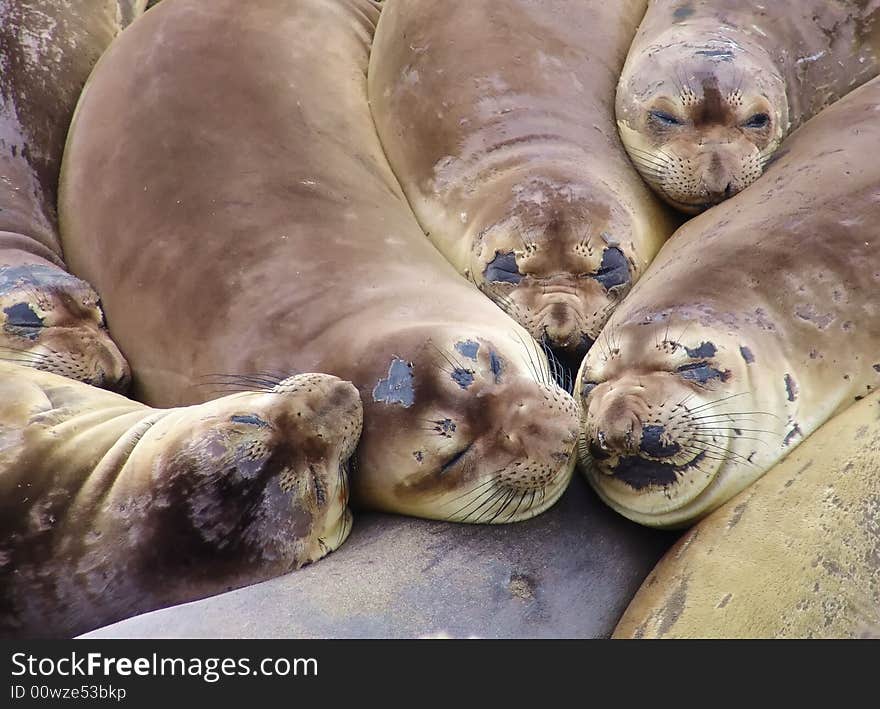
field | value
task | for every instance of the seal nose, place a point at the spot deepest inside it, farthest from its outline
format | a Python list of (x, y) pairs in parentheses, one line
[(620, 431), (561, 329), (653, 443)]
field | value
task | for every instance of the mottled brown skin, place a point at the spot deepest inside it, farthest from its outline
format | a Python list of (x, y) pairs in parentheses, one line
[(711, 87), (275, 238), (796, 555), (756, 323), (48, 318), (109, 508), (496, 117)]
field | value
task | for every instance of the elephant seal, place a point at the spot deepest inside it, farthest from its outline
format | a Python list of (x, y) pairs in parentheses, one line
[(300, 254), (497, 118), (711, 87), (756, 323), (111, 508), (797, 554), (48, 318)]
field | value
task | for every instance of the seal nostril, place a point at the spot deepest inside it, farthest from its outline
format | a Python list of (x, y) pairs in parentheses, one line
[(653, 445), (728, 191)]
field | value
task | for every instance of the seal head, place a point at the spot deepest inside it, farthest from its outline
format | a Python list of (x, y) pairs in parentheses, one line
[(557, 256), (493, 437), (53, 321), (676, 421), (700, 120)]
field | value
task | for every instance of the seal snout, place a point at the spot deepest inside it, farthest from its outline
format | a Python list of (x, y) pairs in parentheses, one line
[(618, 426)]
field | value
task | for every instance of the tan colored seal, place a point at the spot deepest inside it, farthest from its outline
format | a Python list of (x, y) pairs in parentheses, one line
[(497, 118), (757, 322), (48, 318), (275, 239), (711, 87), (797, 554), (110, 508)]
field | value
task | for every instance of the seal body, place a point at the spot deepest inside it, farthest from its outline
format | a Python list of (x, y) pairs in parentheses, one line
[(756, 323), (711, 87), (497, 118), (795, 555), (299, 253), (111, 508), (48, 318)]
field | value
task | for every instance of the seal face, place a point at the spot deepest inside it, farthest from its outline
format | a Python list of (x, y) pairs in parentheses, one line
[(495, 119), (710, 89), (556, 259), (496, 440), (52, 321), (115, 508), (671, 416)]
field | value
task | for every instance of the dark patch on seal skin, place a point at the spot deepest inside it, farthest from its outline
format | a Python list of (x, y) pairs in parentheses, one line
[(397, 388), (701, 372), (249, 419), (683, 12), (463, 377), (419, 456), (639, 473), (791, 388), (468, 349), (496, 366), (15, 277), (796, 431), (22, 317), (747, 355), (614, 270), (724, 55), (653, 445), (503, 268), (445, 428), (704, 351), (877, 367), (597, 453)]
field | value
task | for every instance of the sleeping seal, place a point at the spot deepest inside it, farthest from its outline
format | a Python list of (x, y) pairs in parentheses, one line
[(757, 322), (497, 118), (109, 508), (711, 87), (275, 239)]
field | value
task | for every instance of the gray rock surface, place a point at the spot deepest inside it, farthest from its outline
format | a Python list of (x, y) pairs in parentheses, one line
[(568, 573)]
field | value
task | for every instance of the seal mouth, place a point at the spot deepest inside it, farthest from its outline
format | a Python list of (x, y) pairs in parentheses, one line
[(640, 473)]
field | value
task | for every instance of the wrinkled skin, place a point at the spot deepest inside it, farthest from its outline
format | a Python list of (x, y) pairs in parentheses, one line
[(793, 556), (300, 254), (111, 508), (709, 374), (711, 87), (48, 319), (495, 117)]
